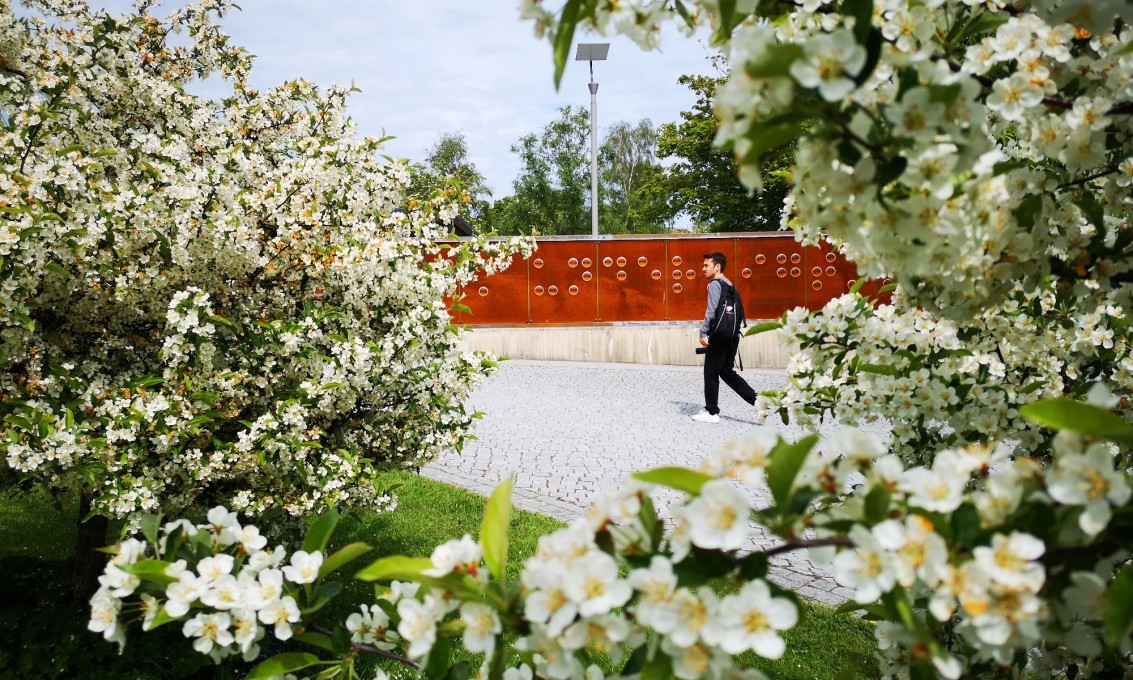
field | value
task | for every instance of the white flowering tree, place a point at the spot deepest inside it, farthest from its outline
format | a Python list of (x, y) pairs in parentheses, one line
[(210, 300), (978, 154)]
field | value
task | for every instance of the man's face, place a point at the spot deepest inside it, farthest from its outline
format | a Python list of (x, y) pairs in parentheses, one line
[(710, 269)]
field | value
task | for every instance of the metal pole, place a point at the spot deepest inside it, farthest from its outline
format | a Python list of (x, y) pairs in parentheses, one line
[(593, 153)]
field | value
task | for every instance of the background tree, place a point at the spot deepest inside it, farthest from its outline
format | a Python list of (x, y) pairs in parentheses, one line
[(552, 190), (629, 176), (447, 168), (702, 182)]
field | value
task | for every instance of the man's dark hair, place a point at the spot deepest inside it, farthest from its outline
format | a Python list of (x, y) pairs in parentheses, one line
[(718, 258)]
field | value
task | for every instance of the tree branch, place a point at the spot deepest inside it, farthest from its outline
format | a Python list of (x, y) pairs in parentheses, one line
[(368, 649), (816, 543)]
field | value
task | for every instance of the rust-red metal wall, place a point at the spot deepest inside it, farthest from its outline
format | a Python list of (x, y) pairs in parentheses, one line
[(655, 278)]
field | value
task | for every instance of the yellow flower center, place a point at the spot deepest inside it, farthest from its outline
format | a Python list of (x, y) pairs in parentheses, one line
[(725, 518), (1097, 486), (755, 622)]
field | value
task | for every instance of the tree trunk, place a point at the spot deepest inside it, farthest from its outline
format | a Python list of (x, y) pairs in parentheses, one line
[(88, 563)]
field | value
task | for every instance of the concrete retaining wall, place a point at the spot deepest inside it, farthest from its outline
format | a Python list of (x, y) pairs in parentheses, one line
[(671, 344)]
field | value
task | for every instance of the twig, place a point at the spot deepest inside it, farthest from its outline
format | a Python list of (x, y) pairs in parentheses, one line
[(816, 543), (359, 647)]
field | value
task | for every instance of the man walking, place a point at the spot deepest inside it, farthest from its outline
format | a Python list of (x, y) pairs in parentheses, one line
[(720, 358)]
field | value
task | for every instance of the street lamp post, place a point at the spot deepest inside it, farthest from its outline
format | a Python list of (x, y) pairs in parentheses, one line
[(593, 52)]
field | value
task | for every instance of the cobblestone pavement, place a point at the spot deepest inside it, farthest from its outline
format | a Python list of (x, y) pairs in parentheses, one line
[(571, 432)]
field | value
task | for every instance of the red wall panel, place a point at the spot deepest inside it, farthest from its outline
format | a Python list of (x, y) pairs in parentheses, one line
[(501, 298), (560, 289), (769, 274), (584, 281), (631, 280)]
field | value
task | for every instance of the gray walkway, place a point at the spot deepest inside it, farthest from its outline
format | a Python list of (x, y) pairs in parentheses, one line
[(570, 432)]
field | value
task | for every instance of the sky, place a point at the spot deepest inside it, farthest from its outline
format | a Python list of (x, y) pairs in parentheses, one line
[(426, 67)]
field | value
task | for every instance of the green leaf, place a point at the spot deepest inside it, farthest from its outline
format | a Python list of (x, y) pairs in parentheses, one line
[(281, 664), (1028, 210), (160, 619), (1119, 611), (891, 170), (785, 462), (1067, 414), (986, 23), (702, 566), (681, 479), (775, 62), (660, 667), (319, 534), (877, 504), (459, 671), (397, 567), (320, 640), (564, 37), (343, 555), (440, 656), (967, 526), (326, 593), (340, 640), (862, 11), (878, 369), (150, 570), (754, 566), (149, 526), (636, 661), (1091, 208), (764, 138), (494, 529), (873, 610), (650, 523), (764, 327), (683, 11), (1006, 166)]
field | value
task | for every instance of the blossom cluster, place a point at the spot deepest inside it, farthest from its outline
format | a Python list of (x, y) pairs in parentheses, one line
[(974, 563), (236, 590), (941, 382), (212, 301)]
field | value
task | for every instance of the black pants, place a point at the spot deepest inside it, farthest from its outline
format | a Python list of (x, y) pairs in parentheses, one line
[(720, 362)]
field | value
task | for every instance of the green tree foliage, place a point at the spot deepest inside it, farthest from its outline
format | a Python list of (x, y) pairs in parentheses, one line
[(552, 190), (630, 177), (703, 183), (448, 171)]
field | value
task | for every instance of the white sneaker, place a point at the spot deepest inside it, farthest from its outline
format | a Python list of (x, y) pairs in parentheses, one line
[(706, 417)]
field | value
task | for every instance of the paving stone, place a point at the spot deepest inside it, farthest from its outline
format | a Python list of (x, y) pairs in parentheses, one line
[(570, 432)]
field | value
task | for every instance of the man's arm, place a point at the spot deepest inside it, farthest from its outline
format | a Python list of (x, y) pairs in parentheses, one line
[(714, 291)]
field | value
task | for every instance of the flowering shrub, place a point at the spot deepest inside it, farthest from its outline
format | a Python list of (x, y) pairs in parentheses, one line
[(940, 382), (211, 301), (974, 564)]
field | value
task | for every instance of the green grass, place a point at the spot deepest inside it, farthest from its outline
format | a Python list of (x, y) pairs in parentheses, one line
[(43, 635)]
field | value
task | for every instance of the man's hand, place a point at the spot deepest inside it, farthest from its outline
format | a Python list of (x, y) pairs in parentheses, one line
[(703, 342)]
